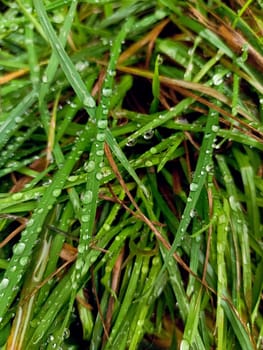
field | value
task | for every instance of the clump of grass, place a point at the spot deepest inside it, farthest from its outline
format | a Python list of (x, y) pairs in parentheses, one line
[(131, 192)]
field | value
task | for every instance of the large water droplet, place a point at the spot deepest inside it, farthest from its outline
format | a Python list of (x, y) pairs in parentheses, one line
[(56, 192), (4, 283), (89, 101), (87, 197), (148, 134), (90, 166), (19, 248), (17, 196), (85, 218), (102, 124), (106, 92), (193, 187)]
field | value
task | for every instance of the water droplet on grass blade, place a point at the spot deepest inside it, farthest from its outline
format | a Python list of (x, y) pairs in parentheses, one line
[(193, 186), (90, 166), (89, 102), (131, 142), (148, 134), (23, 261), (85, 218), (102, 124), (19, 248), (4, 283), (87, 197), (106, 92), (56, 193)]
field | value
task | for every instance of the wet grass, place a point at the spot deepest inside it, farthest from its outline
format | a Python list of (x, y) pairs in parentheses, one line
[(131, 175)]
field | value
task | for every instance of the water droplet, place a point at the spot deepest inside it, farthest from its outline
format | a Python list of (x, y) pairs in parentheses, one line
[(81, 65), (217, 79), (192, 213), (81, 248), (23, 261), (30, 222), (102, 124), (89, 101), (4, 283), (153, 150), (131, 142), (17, 196), (193, 187), (18, 119), (233, 203), (79, 264), (56, 192), (148, 134), (19, 248), (106, 92), (99, 153), (87, 197), (44, 79), (90, 166), (100, 136), (85, 218), (99, 176), (148, 163), (72, 178), (215, 128)]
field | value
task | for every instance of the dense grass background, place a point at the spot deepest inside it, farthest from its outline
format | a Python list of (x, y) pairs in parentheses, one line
[(131, 174)]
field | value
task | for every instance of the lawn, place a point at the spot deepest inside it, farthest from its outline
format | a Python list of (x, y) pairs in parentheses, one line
[(131, 188)]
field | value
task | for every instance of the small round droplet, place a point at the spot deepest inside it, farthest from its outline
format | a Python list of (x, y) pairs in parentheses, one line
[(131, 142), (85, 218), (148, 134), (23, 261)]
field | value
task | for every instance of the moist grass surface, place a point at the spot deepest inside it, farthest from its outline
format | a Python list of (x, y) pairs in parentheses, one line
[(131, 175)]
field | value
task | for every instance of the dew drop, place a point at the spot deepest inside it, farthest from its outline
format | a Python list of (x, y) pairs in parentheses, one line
[(4, 283), (99, 176), (148, 134), (44, 79), (215, 128), (106, 92), (56, 192), (89, 101), (85, 218), (19, 248), (100, 136), (23, 261), (90, 166), (17, 196), (193, 187), (102, 124), (81, 248), (79, 264), (217, 79), (87, 197), (148, 163), (131, 142), (72, 178)]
